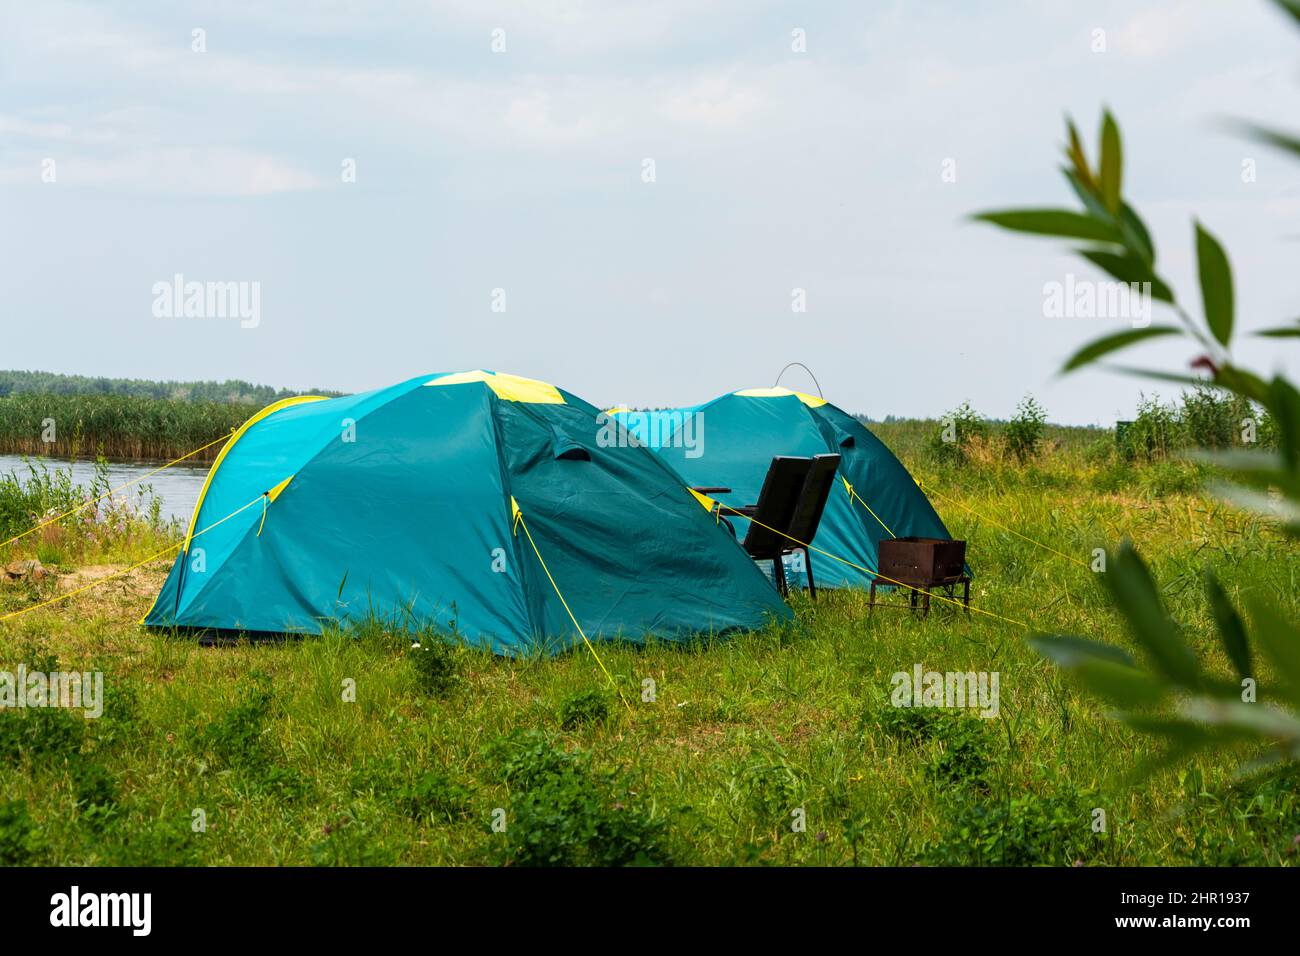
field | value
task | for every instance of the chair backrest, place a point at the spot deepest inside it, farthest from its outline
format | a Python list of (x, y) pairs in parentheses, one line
[(775, 507), (812, 499)]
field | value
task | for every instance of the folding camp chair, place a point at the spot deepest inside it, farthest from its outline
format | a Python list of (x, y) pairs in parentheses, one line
[(808, 512), (788, 511)]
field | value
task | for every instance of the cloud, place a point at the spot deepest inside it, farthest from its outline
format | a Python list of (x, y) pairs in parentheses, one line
[(593, 27), (603, 111), (1155, 32), (18, 126), (717, 100), (175, 171)]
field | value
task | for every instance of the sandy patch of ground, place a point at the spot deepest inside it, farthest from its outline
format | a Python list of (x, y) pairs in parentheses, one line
[(137, 581), (111, 588)]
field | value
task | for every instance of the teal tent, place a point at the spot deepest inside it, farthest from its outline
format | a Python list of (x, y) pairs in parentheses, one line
[(730, 441), (478, 503)]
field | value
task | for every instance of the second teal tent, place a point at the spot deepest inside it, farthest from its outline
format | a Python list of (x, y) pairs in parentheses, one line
[(730, 442)]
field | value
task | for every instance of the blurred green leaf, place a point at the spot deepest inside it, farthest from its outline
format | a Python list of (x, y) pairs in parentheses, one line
[(1244, 383), (1136, 236), (1184, 734), (1260, 469), (1238, 718), (1106, 671), (1188, 733), (1216, 285), (1291, 7), (1112, 343), (1280, 641), (1112, 163), (1079, 158), (1283, 402), (1282, 332), (1185, 738), (1134, 592), (1088, 196), (1284, 141), (1262, 503), (1052, 222), (1265, 464), (1069, 649), (1173, 377), (1129, 268), (1232, 631)]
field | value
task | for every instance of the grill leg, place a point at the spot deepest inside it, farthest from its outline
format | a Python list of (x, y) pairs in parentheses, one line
[(966, 596), (807, 563), (778, 572), (925, 612), (871, 605)]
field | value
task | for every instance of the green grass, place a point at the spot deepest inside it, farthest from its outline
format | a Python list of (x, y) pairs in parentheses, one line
[(99, 523), (742, 733)]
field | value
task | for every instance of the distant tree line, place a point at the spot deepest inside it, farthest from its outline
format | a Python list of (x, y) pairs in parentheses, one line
[(234, 391)]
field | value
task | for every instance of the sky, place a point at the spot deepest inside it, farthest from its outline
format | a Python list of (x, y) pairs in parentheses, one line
[(436, 186)]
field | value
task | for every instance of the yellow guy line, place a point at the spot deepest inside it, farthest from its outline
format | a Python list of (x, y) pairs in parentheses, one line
[(520, 522), (877, 574), (112, 491), (853, 494), (930, 489), (126, 571)]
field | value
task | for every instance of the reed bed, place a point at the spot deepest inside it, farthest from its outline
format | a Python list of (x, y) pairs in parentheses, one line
[(118, 427)]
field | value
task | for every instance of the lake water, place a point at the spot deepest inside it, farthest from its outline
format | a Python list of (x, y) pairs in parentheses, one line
[(177, 487)]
